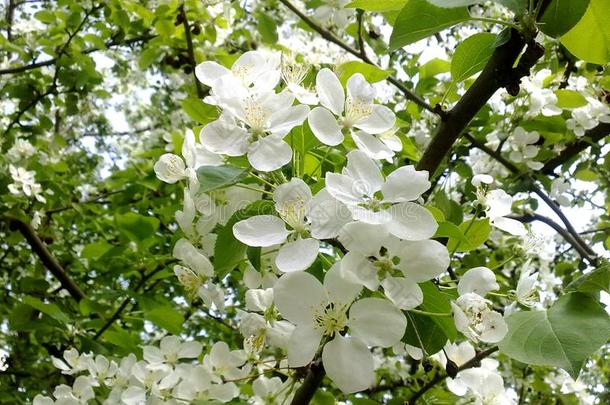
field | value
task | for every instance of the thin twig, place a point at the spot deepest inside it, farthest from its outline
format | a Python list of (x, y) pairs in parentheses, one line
[(191, 53)]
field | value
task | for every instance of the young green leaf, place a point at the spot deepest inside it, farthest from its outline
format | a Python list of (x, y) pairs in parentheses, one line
[(471, 55), (589, 39), (215, 177), (561, 15)]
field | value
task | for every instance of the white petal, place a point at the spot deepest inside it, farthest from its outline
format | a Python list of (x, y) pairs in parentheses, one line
[(478, 280), (326, 215), (303, 345), (411, 222), (330, 91), (377, 322), (379, 120), (372, 146), (224, 137), (170, 168), (366, 239), (190, 350), (269, 154), (403, 292), (259, 300), (478, 179), (365, 172), (298, 296), (509, 225), (325, 127), (153, 355), (297, 255), (193, 258), (359, 88), (261, 230), (370, 216), (423, 260), (286, 195), (223, 392), (494, 327), (349, 364), (405, 184), (339, 289), (282, 121), (499, 203), (357, 268), (208, 72), (343, 188)]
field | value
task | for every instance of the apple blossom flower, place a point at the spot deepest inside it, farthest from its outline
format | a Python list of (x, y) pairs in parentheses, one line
[(333, 13), (523, 148), (24, 183), (559, 187), (375, 257), (499, 205), (375, 200), (323, 312), (357, 110), (170, 350), (293, 74), (310, 219)]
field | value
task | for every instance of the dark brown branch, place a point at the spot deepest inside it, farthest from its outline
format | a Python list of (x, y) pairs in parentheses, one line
[(312, 381), (574, 238), (474, 362), (330, 37), (497, 73), (189, 43), (49, 261), (590, 138), (52, 61)]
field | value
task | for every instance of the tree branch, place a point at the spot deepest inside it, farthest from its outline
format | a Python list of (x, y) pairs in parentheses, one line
[(49, 261), (591, 137), (330, 37), (574, 238), (312, 381), (191, 53), (497, 73), (474, 362)]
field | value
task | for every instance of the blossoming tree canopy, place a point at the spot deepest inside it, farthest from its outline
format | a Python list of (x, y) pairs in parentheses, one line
[(292, 202)]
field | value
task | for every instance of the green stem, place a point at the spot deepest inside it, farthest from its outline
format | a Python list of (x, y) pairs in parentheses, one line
[(418, 311), (494, 21)]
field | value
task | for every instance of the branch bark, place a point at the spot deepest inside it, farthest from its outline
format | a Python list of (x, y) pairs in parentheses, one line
[(312, 381), (189, 43), (497, 73), (49, 261), (591, 137)]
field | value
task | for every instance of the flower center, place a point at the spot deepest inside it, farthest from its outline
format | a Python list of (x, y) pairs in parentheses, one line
[(355, 110), (255, 116), (331, 319), (293, 213), (189, 279)]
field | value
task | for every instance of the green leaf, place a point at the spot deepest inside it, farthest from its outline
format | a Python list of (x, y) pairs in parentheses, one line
[(376, 5), (476, 234), (518, 6), (564, 336), (589, 39), (137, 228), (561, 15), (45, 16), (370, 72), (199, 111), (420, 19), (569, 99), (47, 308), (593, 282), (166, 317), (95, 250), (438, 302), (254, 256), (471, 55), (228, 251), (267, 28), (215, 177), (450, 230), (586, 175), (433, 67)]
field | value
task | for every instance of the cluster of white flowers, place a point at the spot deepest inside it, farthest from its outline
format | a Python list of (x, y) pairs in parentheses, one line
[(170, 373), (24, 183), (523, 148), (588, 116), (332, 13), (542, 100)]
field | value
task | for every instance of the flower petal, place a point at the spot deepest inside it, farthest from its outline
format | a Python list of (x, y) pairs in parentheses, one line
[(510, 225), (377, 322), (405, 184), (379, 120), (366, 239), (365, 172), (303, 345), (224, 137), (298, 296), (282, 121), (325, 127), (330, 91), (208, 72), (269, 154), (297, 255), (339, 289), (478, 280), (358, 269), (326, 215), (261, 230), (286, 195), (342, 188), (423, 260), (359, 88), (349, 364), (372, 146), (403, 292), (170, 168), (411, 222)]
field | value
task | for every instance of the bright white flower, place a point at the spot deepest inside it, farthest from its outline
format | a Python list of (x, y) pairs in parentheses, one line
[(255, 125), (36, 220), (309, 218), (485, 387), (523, 147), (217, 206), (24, 183), (171, 349), (479, 179), (356, 111), (171, 168), (375, 255), (499, 205), (74, 362), (479, 280), (325, 311), (333, 13), (375, 200), (542, 100), (526, 292), (269, 391), (474, 317), (21, 149), (559, 187), (588, 116), (293, 74), (80, 392), (223, 362), (102, 369)]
